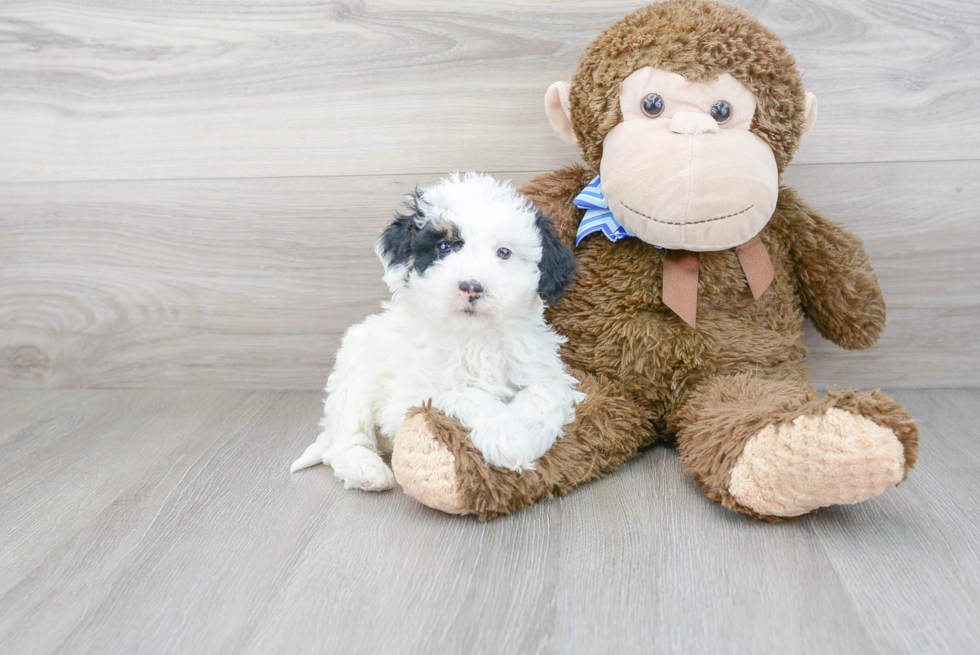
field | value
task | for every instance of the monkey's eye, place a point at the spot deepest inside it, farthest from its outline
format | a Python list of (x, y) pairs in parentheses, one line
[(721, 111), (652, 105), (503, 253), (444, 247)]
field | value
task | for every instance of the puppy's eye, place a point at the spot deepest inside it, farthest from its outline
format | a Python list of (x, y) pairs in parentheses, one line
[(652, 105), (444, 247), (721, 111), (503, 253)]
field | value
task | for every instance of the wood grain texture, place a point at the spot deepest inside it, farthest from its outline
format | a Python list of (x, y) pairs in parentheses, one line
[(920, 225), (939, 506), (213, 89), (250, 283), (659, 568), (51, 482), (196, 283), (167, 522)]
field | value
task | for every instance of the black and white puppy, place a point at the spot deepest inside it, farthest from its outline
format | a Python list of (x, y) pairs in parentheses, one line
[(470, 269)]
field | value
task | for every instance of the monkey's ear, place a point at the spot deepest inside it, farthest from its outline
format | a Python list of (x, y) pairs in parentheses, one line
[(557, 266), (558, 111), (811, 115)]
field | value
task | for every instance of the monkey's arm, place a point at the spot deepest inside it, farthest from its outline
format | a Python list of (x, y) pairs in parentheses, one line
[(840, 292), (554, 192)]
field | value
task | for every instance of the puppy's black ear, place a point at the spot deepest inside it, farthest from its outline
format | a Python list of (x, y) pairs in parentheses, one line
[(395, 243), (557, 265)]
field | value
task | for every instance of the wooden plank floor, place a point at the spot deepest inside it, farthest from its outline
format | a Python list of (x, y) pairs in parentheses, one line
[(166, 522)]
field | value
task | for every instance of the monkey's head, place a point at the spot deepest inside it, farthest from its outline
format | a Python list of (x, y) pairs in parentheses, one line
[(689, 110)]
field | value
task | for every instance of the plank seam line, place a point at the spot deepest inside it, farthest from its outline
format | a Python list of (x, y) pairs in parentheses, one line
[(418, 173)]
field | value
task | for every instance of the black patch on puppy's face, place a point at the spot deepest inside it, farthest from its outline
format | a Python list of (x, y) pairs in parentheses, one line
[(557, 265), (405, 243)]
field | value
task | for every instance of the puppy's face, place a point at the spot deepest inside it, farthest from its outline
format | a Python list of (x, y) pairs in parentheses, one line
[(473, 252)]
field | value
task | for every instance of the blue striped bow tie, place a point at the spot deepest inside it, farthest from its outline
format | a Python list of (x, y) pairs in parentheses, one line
[(597, 215)]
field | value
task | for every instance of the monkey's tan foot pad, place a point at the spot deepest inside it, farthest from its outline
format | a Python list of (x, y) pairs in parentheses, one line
[(424, 466), (815, 461)]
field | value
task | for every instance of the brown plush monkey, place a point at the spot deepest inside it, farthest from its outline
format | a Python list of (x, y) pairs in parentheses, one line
[(696, 270)]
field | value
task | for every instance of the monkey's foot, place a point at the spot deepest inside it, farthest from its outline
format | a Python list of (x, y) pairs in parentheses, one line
[(815, 461), (436, 463), (423, 464)]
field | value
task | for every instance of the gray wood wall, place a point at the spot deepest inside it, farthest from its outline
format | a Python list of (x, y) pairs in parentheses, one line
[(190, 191)]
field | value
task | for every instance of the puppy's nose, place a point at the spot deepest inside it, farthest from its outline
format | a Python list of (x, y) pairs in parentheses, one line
[(471, 288)]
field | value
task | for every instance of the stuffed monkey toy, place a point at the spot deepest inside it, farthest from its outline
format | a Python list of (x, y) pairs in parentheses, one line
[(696, 270)]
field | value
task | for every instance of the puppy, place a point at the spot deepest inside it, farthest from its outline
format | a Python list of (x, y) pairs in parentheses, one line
[(470, 269)]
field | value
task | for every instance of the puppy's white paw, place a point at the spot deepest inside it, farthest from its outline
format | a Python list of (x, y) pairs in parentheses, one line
[(505, 443), (362, 469)]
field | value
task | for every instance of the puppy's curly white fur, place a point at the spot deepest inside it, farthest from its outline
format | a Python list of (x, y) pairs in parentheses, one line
[(470, 267)]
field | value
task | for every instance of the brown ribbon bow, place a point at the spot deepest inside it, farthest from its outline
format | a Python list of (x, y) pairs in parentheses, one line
[(680, 289)]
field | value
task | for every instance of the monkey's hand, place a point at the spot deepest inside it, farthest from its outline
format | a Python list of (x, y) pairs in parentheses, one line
[(839, 291)]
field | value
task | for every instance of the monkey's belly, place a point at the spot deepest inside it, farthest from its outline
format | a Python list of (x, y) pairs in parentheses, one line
[(654, 353), (659, 357)]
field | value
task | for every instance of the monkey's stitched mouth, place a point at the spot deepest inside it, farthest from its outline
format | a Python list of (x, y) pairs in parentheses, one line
[(707, 220)]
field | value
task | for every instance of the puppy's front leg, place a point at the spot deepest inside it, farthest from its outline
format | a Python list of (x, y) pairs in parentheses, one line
[(544, 408), (494, 430), (347, 442)]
